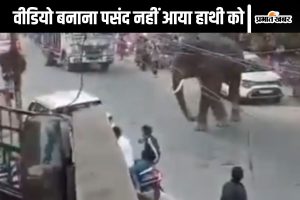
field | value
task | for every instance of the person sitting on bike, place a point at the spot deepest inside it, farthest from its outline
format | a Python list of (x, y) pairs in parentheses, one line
[(150, 155), (151, 150), (122, 45)]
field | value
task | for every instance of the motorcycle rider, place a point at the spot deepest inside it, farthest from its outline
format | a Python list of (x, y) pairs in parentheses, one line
[(151, 150), (150, 155), (155, 56), (122, 45), (141, 51)]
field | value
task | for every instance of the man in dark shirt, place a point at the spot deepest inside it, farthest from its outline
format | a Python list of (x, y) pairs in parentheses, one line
[(234, 189), (151, 150)]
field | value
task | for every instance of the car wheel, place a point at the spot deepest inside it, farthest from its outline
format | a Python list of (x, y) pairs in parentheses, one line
[(277, 100)]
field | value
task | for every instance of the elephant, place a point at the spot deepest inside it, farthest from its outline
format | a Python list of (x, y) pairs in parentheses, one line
[(211, 72)]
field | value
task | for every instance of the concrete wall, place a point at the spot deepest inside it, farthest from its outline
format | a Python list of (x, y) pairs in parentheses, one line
[(101, 172)]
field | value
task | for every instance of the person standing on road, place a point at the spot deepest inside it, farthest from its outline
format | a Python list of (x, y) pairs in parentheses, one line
[(234, 189), (127, 151), (125, 145), (13, 65)]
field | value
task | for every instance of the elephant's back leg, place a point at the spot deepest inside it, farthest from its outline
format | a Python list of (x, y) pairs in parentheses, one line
[(215, 100), (234, 96), (210, 97)]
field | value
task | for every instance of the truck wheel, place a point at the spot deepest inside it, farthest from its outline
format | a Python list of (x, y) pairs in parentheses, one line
[(277, 100), (70, 67), (104, 67)]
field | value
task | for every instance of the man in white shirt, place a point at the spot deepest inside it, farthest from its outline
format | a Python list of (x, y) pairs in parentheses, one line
[(127, 151), (125, 146)]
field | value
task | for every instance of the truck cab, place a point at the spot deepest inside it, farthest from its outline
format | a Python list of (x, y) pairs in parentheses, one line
[(79, 51)]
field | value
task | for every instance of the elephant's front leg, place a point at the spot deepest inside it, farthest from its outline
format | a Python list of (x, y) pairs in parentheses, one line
[(234, 97), (202, 114)]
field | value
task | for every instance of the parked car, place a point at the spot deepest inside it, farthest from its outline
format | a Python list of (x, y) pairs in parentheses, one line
[(258, 83)]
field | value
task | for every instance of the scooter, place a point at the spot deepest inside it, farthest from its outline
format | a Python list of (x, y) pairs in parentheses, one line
[(150, 182)]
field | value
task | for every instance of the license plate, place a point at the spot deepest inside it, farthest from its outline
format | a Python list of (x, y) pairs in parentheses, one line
[(266, 91)]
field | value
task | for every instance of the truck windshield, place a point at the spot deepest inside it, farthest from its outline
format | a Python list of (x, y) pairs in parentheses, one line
[(97, 35), (4, 36)]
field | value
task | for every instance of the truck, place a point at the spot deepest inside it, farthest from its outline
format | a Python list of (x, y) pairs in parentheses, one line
[(79, 51)]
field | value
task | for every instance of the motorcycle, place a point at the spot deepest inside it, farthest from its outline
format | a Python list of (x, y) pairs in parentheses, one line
[(129, 48), (122, 49), (165, 61), (150, 181)]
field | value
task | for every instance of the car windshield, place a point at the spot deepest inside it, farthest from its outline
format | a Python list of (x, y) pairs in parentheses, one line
[(80, 36), (255, 68)]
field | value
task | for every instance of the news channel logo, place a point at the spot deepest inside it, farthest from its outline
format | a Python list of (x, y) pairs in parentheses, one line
[(273, 17)]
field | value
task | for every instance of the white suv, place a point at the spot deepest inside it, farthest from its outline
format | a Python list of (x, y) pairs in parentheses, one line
[(258, 83)]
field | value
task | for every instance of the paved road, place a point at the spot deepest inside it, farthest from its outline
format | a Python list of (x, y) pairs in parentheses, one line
[(195, 164)]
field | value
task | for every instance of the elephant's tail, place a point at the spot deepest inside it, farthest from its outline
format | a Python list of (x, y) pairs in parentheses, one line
[(178, 88)]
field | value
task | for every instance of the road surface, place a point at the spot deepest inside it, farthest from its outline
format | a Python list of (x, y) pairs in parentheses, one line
[(195, 164)]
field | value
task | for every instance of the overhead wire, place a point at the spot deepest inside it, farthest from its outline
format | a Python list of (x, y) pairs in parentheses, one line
[(230, 57), (81, 85), (239, 61)]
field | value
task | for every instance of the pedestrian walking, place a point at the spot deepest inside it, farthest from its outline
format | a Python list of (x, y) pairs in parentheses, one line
[(234, 189), (125, 145), (13, 65)]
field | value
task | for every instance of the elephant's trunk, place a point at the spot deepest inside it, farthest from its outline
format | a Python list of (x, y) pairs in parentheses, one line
[(178, 91)]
